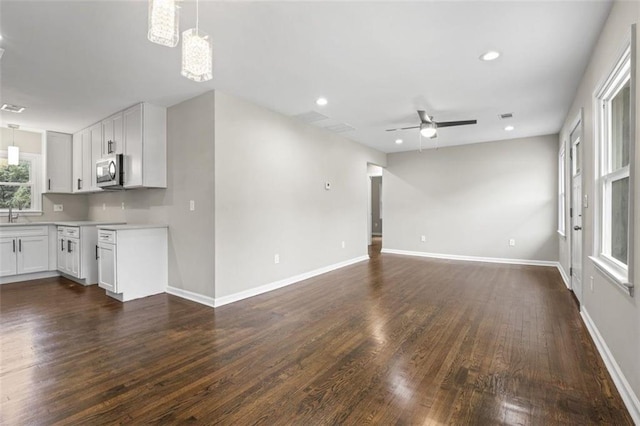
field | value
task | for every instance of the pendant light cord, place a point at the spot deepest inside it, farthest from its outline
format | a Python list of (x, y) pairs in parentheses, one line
[(197, 16)]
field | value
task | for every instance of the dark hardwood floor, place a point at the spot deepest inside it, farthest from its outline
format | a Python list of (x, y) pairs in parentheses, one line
[(396, 340)]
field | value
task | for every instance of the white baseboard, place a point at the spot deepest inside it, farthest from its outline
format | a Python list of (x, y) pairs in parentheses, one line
[(626, 392), (189, 295), (28, 277), (472, 258), (219, 301), (564, 276)]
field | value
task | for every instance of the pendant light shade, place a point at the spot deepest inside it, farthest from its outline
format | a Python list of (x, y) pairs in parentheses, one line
[(163, 22), (197, 55), (13, 155)]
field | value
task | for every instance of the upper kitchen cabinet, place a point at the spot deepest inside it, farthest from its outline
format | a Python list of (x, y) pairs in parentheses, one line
[(112, 138), (95, 134), (82, 162), (58, 162), (145, 146)]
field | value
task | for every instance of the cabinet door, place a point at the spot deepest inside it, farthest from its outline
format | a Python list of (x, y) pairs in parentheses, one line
[(61, 250), (77, 162), (8, 252), (58, 163), (85, 177), (133, 146), (112, 129), (95, 135), (73, 257), (107, 267), (33, 254)]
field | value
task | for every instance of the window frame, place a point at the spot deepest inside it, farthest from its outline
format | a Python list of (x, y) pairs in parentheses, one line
[(35, 183), (622, 72), (562, 190)]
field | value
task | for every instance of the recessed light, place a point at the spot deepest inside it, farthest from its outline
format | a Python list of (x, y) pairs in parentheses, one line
[(398, 141), (509, 128), (12, 108), (321, 101), (490, 55)]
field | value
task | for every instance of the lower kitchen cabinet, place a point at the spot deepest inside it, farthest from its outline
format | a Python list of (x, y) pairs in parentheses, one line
[(133, 260), (24, 250), (78, 253)]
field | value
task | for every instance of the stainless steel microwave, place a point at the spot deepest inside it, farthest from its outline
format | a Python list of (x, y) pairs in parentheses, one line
[(110, 172)]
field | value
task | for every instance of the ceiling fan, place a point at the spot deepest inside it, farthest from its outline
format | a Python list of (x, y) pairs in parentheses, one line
[(429, 128)]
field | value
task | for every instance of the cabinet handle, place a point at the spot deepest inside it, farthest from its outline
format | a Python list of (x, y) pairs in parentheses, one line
[(49, 185), (97, 257), (79, 184), (109, 150), (61, 245), (69, 246), (20, 245), (14, 246)]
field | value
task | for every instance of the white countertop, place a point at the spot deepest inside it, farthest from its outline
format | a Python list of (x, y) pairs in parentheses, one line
[(58, 223), (131, 226)]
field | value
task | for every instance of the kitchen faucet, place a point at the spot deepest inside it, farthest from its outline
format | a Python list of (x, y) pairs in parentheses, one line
[(12, 218)]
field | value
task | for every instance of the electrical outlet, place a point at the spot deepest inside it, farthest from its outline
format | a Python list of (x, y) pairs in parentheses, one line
[(591, 283), (423, 238), (104, 206), (123, 205), (276, 259), (58, 207), (192, 205), (512, 242), (343, 244), (327, 185)]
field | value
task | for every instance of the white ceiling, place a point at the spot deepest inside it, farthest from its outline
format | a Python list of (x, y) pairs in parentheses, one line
[(74, 62)]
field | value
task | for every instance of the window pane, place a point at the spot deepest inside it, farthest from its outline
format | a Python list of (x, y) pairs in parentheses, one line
[(16, 174), (620, 129), (577, 158), (15, 196), (619, 218)]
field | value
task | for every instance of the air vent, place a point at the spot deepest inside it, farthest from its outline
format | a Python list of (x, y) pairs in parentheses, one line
[(311, 117), (507, 115), (12, 108), (339, 128)]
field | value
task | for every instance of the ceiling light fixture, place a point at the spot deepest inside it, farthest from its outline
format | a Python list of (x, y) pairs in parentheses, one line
[(509, 128), (398, 141), (13, 152), (321, 101), (163, 22), (428, 130), (12, 108), (197, 53), (490, 55)]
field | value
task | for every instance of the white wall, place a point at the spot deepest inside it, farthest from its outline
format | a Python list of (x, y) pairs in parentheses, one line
[(190, 159), (615, 314), (270, 197), (470, 200)]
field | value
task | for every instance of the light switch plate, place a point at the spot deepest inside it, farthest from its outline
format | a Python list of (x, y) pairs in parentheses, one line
[(192, 205), (58, 207)]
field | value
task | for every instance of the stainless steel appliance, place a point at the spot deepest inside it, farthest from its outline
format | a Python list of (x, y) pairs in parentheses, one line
[(110, 172)]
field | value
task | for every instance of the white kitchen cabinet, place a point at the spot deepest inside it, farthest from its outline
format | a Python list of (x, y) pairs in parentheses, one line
[(95, 135), (24, 250), (76, 254), (133, 261), (81, 179), (112, 137), (145, 146), (58, 162)]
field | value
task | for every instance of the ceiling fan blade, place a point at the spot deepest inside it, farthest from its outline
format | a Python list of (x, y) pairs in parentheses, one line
[(455, 123), (424, 118), (403, 128)]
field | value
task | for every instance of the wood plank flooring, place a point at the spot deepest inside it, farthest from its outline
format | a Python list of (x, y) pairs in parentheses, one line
[(396, 340)]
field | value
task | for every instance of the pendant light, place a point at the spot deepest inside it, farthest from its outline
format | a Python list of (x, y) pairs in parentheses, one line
[(163, 22), (197, 53), (13, 152)]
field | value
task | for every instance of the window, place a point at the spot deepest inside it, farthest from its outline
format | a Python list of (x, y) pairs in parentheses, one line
[(613, 241), (562, 209), (19, 185)]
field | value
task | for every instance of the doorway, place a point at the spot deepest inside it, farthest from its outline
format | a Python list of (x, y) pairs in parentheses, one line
[(374, 206), (575, 212)]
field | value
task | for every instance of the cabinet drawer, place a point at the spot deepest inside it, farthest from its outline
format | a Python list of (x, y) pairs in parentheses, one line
[(105, 236), (71, 231), (23, 231)]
